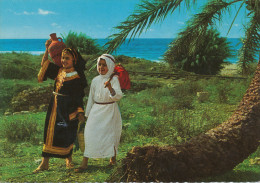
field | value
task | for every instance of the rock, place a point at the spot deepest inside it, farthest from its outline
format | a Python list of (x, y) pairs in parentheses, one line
[(32, 99), (7, 113), (32, 108), (15, 113), (43, 107)]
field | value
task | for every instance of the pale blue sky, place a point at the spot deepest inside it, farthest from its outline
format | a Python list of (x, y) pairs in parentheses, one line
[(96, 18)]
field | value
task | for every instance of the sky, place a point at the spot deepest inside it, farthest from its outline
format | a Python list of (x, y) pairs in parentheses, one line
[(36, 19)]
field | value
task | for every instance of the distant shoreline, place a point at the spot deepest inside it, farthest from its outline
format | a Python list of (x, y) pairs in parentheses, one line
[(30, 52), (42, 52), (151, 49), (106, 38)]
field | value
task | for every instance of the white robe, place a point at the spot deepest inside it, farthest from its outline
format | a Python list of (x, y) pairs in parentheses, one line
[(104, 124)]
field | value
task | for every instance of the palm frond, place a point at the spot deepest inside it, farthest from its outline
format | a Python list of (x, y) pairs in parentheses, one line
[(146, 14), (235, 17), (251, 45), (192, 37)]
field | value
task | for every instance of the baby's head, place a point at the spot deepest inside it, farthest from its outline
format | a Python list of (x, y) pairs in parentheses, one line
[(105, 64)]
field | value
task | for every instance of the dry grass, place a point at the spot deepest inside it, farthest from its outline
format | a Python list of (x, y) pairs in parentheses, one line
[(229, 70)]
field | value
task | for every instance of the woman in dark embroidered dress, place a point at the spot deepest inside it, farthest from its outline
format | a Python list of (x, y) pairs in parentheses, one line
[(66, 106)]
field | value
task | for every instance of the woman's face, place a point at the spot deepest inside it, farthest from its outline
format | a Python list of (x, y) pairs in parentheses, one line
[(66, 60), (102, 67)]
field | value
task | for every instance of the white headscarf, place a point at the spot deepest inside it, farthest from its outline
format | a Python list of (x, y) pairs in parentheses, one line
[(110, 66), (110, 61)]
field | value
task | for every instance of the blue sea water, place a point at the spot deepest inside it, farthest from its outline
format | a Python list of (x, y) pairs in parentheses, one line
[(147, 48)]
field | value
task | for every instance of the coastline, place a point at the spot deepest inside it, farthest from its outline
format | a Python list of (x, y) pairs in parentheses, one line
[(29, 52), (158, 60), (151, 49)]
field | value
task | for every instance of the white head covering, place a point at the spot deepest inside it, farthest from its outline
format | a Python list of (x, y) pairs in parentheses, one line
[(110, 61)]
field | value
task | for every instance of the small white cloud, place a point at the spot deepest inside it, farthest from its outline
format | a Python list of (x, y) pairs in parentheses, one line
[(55, 25), (44, 12), (236, 25), (182, 23), (23, 13), (28, 13), (150, 30)]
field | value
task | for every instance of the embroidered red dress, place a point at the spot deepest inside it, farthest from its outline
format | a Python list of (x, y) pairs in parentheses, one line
[(66, 102)]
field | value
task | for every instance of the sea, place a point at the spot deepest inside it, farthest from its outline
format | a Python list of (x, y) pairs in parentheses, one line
[(147, 48)]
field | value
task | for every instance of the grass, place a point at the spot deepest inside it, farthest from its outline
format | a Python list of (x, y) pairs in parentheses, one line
[(244, 172), (155, 112), (21, 158)]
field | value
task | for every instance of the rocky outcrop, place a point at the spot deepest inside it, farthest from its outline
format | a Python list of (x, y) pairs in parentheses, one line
[(33, 100)]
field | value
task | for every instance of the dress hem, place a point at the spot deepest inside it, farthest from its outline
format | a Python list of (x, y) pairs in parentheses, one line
[(108, 156)]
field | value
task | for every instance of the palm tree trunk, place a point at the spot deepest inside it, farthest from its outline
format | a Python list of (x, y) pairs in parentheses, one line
[(215, 152)]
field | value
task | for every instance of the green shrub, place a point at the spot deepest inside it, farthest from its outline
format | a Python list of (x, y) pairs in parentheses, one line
[(206, 59), (81, 42), (138, 86), (8, 149), (9, 89), (20, 129), (19, 65), (223, 91), (185, 93), (226, 91)]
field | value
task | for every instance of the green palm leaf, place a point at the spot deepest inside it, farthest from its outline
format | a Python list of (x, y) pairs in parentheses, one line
[(251, 45), (147, 13)]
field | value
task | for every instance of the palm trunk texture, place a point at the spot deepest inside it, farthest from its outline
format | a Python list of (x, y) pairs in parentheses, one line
[(215, 152)]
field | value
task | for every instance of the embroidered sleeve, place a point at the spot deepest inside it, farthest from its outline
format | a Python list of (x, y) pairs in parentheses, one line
[(76, 112), (49, 70), (43, 70)]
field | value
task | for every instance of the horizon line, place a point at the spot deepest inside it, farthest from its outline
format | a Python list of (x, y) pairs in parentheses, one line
[(126, 38)]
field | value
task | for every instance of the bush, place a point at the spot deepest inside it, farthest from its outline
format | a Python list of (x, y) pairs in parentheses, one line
[(185, 93), (9, 89), (20, 129), (207, 59), (19, 65), (83, 43), (226, 91)]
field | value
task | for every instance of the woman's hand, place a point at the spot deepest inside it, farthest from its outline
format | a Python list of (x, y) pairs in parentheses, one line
[(47, 43), (45, 56), (81, 117), (82, 120)]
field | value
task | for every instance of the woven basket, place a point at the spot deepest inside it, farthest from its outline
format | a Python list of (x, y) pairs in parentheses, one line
[(81, 140)]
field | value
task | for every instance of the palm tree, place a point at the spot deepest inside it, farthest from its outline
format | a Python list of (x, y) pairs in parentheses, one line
[(220, 149), (208, 59), (193, 37), (215, 152)]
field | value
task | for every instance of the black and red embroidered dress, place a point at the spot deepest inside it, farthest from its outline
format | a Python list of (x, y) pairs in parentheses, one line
[(66, 102)]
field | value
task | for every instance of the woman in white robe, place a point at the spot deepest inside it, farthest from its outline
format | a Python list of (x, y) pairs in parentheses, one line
[(104, 124)]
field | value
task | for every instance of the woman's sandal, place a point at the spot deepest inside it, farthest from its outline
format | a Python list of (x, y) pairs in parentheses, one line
[(40, 169), (80, 170), (69, 166)]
